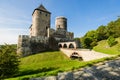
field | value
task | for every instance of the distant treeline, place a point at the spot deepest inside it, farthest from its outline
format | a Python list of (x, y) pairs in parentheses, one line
[(90, 39)]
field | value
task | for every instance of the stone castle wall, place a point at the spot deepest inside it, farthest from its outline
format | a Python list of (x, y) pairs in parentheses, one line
[(23, 45), (28, 45), (40, 23), (42, 37)]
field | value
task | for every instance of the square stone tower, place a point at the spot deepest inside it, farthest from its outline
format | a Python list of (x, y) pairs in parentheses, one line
[(40, 22), (42, 37)]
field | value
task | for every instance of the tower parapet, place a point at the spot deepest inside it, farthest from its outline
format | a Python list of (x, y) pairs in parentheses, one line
[(42, 37), (61, 23), (23, 45)]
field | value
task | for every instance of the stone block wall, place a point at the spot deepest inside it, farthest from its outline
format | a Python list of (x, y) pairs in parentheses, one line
[(40, 23), (23, 47)]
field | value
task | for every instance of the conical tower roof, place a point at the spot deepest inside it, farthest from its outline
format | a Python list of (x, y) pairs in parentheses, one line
[(42, 8)]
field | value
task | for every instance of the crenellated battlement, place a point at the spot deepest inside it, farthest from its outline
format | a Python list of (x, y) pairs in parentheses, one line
[(42, 37)]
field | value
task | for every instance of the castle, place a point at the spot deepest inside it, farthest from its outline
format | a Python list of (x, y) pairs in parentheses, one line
[(42, 37)]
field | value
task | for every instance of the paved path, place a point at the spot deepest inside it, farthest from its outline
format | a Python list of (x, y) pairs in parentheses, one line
[(86, 54)]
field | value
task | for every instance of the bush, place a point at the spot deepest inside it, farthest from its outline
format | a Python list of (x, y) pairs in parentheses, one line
[(86, 42), (94, 43), (8, 61), (111, 41)]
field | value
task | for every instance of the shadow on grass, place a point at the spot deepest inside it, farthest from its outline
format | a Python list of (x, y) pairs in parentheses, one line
[(29, 72)]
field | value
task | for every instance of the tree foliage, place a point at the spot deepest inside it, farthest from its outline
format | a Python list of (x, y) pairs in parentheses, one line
[(103, 32), (89, 40), (86, 42), (8, 61), (111, 41)]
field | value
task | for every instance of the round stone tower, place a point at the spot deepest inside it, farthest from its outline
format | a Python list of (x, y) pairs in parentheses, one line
[(61, 23), (40, 22)]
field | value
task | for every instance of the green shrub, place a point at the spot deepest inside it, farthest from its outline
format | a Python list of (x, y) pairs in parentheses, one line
[(111, 41), (8, 61)]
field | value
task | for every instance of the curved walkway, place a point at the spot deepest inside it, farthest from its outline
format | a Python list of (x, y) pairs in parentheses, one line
[(86, 54)]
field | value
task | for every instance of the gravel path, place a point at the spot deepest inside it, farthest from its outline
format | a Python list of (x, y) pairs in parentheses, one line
[(86, 55)]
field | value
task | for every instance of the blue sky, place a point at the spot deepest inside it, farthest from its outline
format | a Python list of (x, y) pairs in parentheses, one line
[(82, 15)]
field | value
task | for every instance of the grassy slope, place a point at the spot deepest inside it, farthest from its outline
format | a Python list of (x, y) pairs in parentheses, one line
[(104, 47), (44, 60), (46, 63), (50, 63)]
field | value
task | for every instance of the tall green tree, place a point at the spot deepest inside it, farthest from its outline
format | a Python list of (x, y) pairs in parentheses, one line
[(102, 33), (111, 28), (86, 41), (89, 40), (8, 61), (92, 34)]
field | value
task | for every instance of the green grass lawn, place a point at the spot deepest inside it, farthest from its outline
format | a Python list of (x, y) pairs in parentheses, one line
[(104, 47), (46, 63), (50, 63)]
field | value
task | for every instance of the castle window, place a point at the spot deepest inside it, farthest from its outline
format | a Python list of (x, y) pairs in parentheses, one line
[(46, 27), (59, 26), (46, 14), (40, 12)]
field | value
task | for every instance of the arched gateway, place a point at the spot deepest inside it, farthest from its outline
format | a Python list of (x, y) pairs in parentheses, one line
[(68, 45)]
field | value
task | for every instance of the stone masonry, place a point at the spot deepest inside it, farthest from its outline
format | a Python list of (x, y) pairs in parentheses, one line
[(42, 37)]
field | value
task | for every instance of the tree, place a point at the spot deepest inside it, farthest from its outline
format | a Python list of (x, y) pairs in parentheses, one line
[(111, 28), (86, 42), (8, 61), (102, 33), (89, 40), (111, 41), (91, 34)]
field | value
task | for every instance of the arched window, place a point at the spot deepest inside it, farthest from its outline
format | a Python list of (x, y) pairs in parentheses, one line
[(60, 45), (40, 12), (46, 14), (71, 46), (65, 46)]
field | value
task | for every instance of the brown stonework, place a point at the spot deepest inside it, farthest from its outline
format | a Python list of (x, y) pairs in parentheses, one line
[(42, 37)]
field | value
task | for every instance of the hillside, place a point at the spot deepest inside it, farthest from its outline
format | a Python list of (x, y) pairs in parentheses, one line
[(103, 32), (46, 63), (50, 63), (104, 47)]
